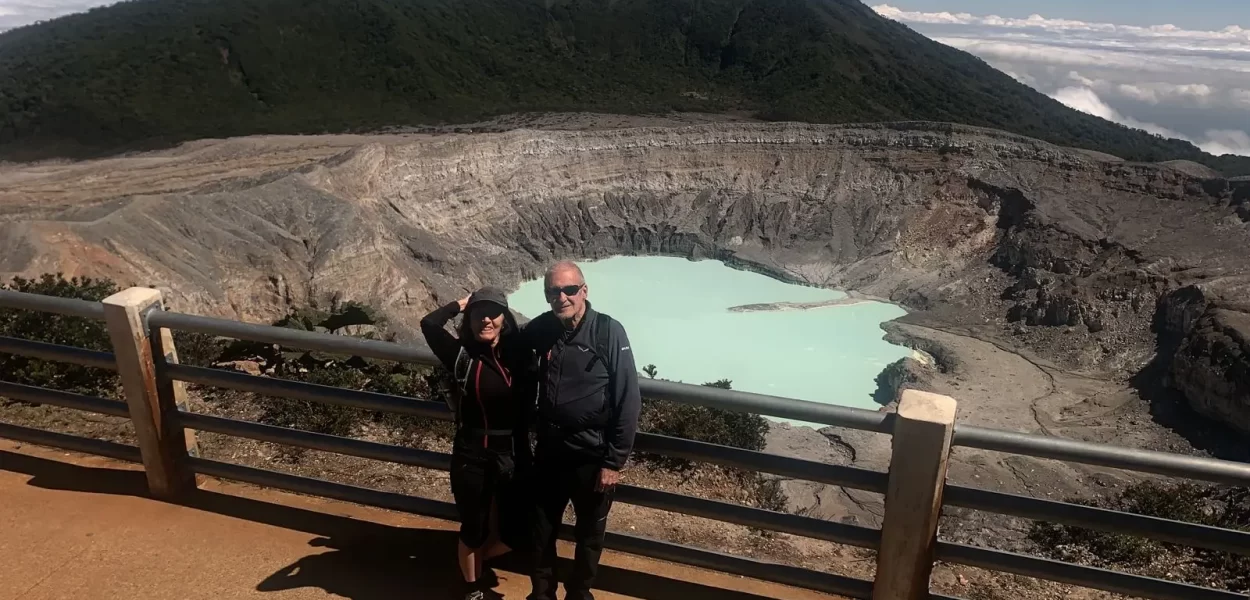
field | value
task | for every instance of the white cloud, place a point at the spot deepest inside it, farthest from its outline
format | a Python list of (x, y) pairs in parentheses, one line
[(1088, 101), (1240, 97), (1081, 79), (1232, 33), (891, 12), (1025, 78), (16, 13), (1182, 83), (1215, 141), (1227, 141), (1156, 91), (1068, 54)]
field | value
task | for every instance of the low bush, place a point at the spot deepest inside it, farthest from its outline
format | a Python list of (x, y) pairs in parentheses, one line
[(1215, 506), (703, 424), (58, 329), (198, 349)]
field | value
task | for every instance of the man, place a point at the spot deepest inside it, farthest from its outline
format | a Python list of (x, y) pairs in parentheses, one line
[(588, 404)]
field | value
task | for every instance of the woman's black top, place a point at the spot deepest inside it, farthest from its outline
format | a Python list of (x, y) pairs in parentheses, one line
[(500, 392)]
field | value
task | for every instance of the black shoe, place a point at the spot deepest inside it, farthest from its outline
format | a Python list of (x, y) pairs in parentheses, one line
[(486, 594)]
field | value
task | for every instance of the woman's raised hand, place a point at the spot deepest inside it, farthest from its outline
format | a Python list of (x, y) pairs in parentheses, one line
[(464, 302)]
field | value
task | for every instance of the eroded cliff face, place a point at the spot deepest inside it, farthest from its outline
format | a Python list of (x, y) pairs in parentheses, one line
[(1052, 249)]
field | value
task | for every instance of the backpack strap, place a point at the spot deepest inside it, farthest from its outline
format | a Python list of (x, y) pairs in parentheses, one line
[(460, 372), (603, 331)]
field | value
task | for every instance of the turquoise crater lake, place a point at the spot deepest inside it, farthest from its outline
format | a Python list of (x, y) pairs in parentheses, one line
[(677, 313)]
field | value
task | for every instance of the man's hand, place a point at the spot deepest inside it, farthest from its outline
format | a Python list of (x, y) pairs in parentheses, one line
[(607, 479)]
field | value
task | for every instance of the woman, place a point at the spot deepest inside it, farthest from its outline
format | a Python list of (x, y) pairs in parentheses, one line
[(492, 397)]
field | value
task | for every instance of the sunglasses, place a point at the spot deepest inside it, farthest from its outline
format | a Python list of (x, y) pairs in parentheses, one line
[(568, 290), (486, 311)]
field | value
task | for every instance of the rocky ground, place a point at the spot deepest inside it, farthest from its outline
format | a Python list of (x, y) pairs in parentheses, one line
[(1057, 292)]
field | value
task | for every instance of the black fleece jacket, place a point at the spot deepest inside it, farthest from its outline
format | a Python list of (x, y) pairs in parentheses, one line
[(501, 388), (587, 407)]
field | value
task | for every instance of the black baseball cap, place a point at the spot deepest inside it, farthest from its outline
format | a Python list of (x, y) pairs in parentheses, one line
[(489, 294)]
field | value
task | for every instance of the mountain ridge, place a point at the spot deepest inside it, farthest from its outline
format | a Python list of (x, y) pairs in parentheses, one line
[(146, 73)]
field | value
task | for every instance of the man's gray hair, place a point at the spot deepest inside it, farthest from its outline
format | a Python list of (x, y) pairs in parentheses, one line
[(564, 265)]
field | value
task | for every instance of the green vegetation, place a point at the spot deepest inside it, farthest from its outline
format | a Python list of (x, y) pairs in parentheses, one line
[(703, 424), (700, 423), (204, 350), (1224, 507), (152, 72), (713, 426), (350, 372), (58, 329)]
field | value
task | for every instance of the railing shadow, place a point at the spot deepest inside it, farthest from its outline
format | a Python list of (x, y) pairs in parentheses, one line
[(367, 560)]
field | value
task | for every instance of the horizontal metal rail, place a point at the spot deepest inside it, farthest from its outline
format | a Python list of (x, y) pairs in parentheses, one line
[(317, 441), (814, 412), (59, 353), (1090, 577), (325, 489), (1164, 530), (776, 573), (751, 460), (38, 395), (1146, 461), (72, 443), (735, 565), (830, 531), (70, 307), (285, 388), (752, 517), (308, 340), (722, 455), (775, 406)]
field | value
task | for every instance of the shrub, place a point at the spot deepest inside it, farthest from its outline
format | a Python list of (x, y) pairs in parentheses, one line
[(1215, 506), (703, 424), (349, 372), (199, 349), (317, 417), (58, 329)]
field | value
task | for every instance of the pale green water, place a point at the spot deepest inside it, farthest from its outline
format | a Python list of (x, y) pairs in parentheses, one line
[(674, 311)]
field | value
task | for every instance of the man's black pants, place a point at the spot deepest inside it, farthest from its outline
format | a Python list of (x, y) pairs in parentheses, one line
[(558, 480)]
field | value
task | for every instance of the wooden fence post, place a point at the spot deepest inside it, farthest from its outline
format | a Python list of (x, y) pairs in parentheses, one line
[(913, 500), (170, 388), (154, 414)]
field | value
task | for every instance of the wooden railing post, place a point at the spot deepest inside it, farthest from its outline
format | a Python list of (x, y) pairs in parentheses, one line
[(154, 414), (913, 500), (170, 388)]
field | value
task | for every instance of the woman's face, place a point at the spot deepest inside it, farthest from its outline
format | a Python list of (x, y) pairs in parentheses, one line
[(486, 321)]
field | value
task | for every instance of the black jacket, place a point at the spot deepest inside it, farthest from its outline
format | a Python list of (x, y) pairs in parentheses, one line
[(502, 385), (587, 405)]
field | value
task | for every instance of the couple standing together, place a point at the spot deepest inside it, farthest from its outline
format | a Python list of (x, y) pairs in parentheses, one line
[(569, 374)]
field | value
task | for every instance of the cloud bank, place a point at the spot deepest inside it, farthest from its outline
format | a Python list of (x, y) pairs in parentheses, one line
[(1182, 83), (16, 13)]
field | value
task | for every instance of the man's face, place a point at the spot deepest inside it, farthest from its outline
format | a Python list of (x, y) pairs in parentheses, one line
[(566, 293)]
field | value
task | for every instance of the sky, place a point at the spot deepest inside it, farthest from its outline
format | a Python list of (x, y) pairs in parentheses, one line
[(1178, 68), (15, 13), (1189, 14)]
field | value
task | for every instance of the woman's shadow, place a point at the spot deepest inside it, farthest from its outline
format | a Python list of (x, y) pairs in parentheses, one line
[(412, 563)]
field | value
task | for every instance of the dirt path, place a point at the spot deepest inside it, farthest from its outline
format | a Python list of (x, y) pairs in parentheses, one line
[(81, 527)]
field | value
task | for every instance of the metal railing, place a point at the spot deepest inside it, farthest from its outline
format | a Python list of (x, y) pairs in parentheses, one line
[(164, 377)]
